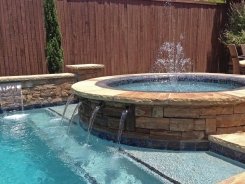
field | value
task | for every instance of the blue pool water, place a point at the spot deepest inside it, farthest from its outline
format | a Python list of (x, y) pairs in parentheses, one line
[(176, 86), (35, 148), (25, 158)]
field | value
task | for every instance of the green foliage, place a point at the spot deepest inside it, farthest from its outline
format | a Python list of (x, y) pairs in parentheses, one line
[(234, 32), (216, 1), (54, 56), (54, 51)]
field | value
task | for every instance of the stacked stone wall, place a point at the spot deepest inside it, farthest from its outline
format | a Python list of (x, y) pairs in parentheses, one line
[(173, 123), (37, 91), (47, 94), (43, 90)]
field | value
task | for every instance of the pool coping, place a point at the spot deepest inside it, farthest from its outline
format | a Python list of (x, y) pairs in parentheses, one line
[(236, 179), (229, 145), (90, 88), (234, 141), (24, 78)]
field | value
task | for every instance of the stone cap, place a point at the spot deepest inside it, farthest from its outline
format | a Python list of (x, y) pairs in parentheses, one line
[(85, 66), (90, 89), (236, 179), (7, 79), (235, 141)]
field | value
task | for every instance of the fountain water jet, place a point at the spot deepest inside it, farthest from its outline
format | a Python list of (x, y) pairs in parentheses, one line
[(91, 121), (121, 126), (69, 100), (73, 115), (171, 59)]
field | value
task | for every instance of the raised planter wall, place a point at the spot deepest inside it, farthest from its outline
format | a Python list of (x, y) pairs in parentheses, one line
[(43, 90), (37, 90)]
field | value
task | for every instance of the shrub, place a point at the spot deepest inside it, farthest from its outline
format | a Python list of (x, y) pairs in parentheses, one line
[(234, 32), (54, 51)]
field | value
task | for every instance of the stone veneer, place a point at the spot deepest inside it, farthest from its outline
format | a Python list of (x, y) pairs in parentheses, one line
[(38, 90), (185, 119), (46, 89)]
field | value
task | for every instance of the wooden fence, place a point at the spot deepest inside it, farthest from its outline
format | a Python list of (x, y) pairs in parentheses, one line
[(125, 35), (21, 37)]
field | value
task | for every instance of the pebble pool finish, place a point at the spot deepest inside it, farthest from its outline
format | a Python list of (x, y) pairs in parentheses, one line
[(184, 166), (188, 167), (97, 162)]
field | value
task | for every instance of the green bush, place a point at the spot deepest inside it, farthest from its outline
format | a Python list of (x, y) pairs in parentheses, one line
[(54, 51), (234, 32)]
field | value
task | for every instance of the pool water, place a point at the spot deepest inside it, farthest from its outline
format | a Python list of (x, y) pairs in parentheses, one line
[(177, 86), (25, 158), (37, 148), (177, 83)]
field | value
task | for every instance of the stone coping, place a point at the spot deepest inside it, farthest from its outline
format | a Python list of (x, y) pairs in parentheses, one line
[(237, 179), (235, 141), (85, 66), (22, 78), (91, 89)]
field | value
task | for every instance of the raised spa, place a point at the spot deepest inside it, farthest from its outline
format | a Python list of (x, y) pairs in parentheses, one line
[(169, 111)]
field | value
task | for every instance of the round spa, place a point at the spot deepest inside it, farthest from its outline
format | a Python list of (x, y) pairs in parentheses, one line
[(167, 111)]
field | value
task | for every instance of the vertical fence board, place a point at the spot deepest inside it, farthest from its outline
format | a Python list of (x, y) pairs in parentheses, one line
[(3, 48), (124, 35), (22, 40)]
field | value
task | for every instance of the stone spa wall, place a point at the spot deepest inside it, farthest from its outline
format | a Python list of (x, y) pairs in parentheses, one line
[(167, 127), (166, 120)]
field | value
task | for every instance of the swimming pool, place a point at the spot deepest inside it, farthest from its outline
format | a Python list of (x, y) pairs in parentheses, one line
[(36, 148)]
